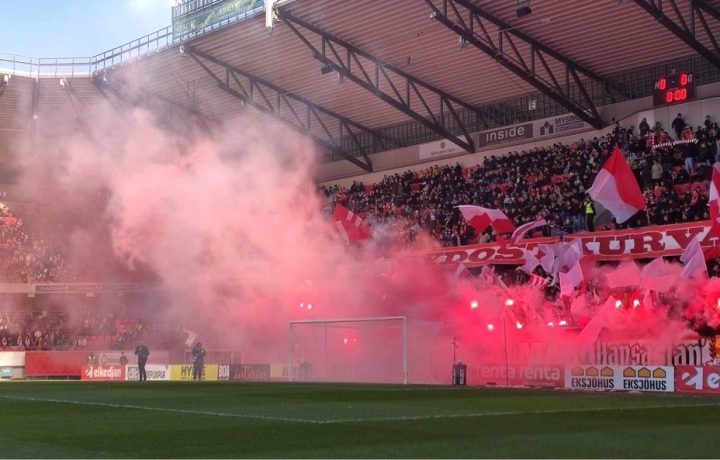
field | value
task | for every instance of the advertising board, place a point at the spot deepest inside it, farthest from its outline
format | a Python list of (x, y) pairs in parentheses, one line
[(550, 376), (250, 372), (153, 371), (628, 378), (54, 363), (439, 148), (697, 379), (111, 372), (183, 372)]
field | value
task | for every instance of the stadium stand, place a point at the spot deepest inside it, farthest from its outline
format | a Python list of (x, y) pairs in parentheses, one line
[(27, 258), (88, 328), (548, 182)]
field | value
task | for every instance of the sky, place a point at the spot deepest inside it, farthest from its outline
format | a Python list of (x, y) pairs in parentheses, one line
[(76, 28)]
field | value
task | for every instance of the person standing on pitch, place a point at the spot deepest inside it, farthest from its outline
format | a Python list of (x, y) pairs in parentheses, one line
[(142, 353), (198, 354)]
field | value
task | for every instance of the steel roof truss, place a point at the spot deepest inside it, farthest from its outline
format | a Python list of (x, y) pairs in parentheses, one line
[(295, 111), (685, 27), (406, 93), (473, 24)]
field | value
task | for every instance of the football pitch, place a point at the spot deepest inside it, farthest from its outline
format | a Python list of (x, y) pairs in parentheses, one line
[(214, 419)]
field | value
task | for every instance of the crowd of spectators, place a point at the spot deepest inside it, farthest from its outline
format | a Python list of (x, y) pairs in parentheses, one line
[(27, 258), (84, 329), (543, 182)]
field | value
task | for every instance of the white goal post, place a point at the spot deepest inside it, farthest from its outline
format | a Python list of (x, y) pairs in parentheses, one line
[(327, 322)]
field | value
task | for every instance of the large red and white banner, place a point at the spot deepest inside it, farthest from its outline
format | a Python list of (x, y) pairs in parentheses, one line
[(636, 243), (697, 379)]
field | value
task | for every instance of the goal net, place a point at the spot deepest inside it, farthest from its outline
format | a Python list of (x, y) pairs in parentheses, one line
[(362, 350)]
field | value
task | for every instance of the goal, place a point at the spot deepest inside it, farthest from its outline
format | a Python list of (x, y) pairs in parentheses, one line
[(362, 350)]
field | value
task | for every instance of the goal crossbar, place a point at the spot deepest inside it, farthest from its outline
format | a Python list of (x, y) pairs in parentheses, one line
[(403, 319)]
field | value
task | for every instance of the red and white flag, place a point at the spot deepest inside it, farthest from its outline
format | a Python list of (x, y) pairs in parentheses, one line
[(350, 225), (460, 271), (571, 280), (547, 257), (714, 201), (616, 188), (480, 218), (530, 262), (693, 260), (538, 281), (627, 274), (658, 275), (523, 229)]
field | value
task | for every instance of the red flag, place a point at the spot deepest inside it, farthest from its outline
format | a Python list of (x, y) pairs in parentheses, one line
[(350, 225), (480, 218), (616, 188)]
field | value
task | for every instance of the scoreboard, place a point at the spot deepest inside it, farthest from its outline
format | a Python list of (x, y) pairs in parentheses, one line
[(674, 89)]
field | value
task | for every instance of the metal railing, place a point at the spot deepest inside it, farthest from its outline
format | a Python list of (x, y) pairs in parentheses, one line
[(45, 67), (133, 50)]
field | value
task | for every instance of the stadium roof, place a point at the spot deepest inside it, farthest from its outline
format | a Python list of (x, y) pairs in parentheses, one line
[(415, 58)]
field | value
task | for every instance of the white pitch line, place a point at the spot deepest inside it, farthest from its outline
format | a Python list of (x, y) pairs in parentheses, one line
[(512, 413), (161, 409), (398, 418)]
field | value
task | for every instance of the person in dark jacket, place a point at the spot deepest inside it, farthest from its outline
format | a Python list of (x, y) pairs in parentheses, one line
[(142, 353), (678, 124), (198, 354)]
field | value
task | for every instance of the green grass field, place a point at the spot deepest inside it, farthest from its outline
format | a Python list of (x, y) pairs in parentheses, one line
[(176, 419)]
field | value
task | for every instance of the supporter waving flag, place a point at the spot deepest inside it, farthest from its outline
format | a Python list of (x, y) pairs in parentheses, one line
[(480, 218), (714, 201), (350, 225), (616, 188)]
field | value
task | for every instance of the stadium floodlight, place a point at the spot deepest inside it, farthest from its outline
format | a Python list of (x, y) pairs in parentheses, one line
[(62, 82), (463, 42), (326, 69), (6, 79), (523, 8), (371, 356)]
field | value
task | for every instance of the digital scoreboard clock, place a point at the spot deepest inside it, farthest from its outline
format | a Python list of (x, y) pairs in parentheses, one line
[(674, 89)]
